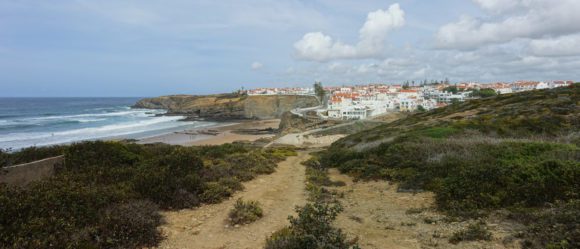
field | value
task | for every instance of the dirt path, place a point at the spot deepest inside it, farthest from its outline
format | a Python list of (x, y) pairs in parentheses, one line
[(205, 227), (383, 218)]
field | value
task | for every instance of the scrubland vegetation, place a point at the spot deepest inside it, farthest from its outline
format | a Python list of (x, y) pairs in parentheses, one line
[(477, 231), (245, 212), (108, 194), (518, 152)]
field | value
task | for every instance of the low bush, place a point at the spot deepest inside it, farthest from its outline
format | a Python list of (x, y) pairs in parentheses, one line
[(4, 158), (484, 93), (129, 225), (316, 179), (554, 228), (312, 228), (214, 192), (282, 152), (245, 212), (56, 213), (477, 231)]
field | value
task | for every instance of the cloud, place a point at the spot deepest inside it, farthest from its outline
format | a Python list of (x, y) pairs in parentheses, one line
[(498, 6), (562, 46), (316, 46), (528, 19), (257, 65)]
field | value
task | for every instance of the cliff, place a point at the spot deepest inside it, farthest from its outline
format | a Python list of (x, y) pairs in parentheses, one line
[(228, 106)]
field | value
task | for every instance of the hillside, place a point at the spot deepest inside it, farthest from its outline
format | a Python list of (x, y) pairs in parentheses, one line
[(228, 106), (516, 157), (550, 113)]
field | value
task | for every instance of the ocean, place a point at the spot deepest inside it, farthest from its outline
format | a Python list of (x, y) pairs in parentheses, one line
[(26, 122)]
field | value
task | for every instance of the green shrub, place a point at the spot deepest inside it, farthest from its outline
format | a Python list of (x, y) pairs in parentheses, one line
[(129, 225), (477, 231), (171, 181), (283, 239), (334, 157), (245, 212), (222, 150), (436, 132), (4, 159), (510, 174), (54, 213), (555, 227), (484, 93), (167, 189), (99, 153), (215, 192), (312, 228)]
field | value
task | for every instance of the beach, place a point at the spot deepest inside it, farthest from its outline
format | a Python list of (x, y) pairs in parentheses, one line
[(228, 132)]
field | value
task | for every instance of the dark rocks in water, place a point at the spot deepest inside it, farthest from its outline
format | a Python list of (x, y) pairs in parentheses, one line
[(266, 131)]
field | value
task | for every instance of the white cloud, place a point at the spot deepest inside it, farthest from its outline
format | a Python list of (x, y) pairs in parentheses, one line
[(257, 65), (498, 6), (531, 19), (513, 40), (317, 46), (562, 46)]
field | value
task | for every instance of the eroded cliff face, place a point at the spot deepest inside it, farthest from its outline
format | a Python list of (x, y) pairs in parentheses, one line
[(265, 107), (291, 123), (228, 106)]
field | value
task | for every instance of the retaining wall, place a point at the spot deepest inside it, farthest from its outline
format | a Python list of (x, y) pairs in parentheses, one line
[(22, 174)]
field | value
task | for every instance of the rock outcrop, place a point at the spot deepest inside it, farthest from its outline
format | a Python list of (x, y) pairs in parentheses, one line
[(228, 106), (291, 123)]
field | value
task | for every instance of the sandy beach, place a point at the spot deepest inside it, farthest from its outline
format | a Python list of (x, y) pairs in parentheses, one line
[(220, 134)]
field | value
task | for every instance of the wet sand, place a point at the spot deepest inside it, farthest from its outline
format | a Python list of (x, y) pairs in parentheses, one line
[(225, 134)]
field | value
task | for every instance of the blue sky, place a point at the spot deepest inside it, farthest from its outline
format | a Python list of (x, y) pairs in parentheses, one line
[(149, 48)]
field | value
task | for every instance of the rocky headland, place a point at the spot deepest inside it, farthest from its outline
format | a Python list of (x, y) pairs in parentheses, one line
[(228, 106)]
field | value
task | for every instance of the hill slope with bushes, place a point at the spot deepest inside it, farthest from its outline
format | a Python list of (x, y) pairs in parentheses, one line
[(109, 194), (518, 152), (547, 113)]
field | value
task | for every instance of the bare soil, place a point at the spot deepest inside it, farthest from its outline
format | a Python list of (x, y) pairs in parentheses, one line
[(380, 217), (206, 227)]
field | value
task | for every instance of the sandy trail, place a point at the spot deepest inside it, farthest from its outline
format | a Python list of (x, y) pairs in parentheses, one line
[(205, 227)]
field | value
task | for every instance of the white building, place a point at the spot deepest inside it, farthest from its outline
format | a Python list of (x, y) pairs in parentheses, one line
[(355, 113), (528, 86), (447, 97), (408, 105), (560, 83)]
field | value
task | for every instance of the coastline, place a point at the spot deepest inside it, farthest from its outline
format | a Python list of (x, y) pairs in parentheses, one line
[(221, 133)]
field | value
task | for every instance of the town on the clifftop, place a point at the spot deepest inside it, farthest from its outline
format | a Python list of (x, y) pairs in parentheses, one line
[(358, 102)]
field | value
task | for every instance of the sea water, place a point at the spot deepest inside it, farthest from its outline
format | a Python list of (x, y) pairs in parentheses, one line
[(26, 122)]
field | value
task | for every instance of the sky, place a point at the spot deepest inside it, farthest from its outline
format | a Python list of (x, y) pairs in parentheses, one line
[(65, 48)]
